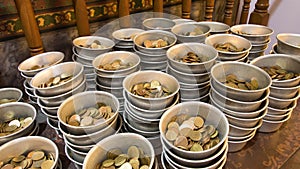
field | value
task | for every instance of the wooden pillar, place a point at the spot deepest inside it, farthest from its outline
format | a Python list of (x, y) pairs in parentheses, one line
[(209, 9), (245, 12), (228, 12), (260, 14), (158, 8), (82, 19), (186, 9), (123, 8), (29, 26)]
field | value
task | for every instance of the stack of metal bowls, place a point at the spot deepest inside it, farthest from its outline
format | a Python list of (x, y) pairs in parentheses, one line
[(33, 65), (231, 47), (142, 115), (216, 27), (122, 142), (84, 53), (80, 139), (50, 98), (163, 24), (193, 77), (191, 32), (258, 35), (153, 58), (212, 157), (111, 80), (244, 109), (11, 115), (21, 146), (287, 43), (10, 94), (124, 38), (284, 93)]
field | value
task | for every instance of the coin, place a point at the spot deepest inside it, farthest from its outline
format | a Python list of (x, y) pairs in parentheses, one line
[(37, 155), (108, 163), (115, 65), (56, 80), (155, 43), (278, 73), (126, 165), (196, 147), (198, 122), (133, 152), (228, 47), (7, 100), (47, 164), (112, 154), (153, 89), (172, 134), (234, 82)]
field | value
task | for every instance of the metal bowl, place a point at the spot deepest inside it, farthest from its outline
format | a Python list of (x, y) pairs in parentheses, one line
[(274, 111), (84, 100), (234, 146), (146, 76), (26, 144), (17, 109), (282, 103), (241, 114), (272, 126), (194, 93), (211, 114), (49, 109), (116, 91), (272, 117), (242, 131), (93, 138), (284, 93), (154, 35), (43, 60), (288, 43), (216, 27), (72, 68), (10, 93), (252, 32), (192, 86), (75, 58), (150, 57), (164, 24), (259, 47), (180, 20), (75, 159), (253, 55), (242, 71), (180, 31), (110, 81), (180, 50), (235, 40), (123, 141), (27, 78), (77, 155), (153, 65), (204, 99), (287, 62), (83, 41), (240, 138), (126, 34), (236, 105), (125, 57), (81, 148)]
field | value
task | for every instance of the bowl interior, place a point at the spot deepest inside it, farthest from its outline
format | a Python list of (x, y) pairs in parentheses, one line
[(251, 30), (158, 23), (126, 34), (182, 29), (290, 39), (11, 93), (82, 42), (154, 35)]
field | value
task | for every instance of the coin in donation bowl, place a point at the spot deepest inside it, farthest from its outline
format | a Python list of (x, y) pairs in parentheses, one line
[(133, 159), (153, 89), (57, 80), (159, 43), (33, 159), (191, 57), (228, 47), (13, 124), (278, 73), (7, 100), (115, 65), (91, 115), (233, 81), (191, 133)]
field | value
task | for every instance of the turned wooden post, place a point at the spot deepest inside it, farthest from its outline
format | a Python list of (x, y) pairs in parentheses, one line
[(186, 9), (260, 14), (209, 9), (82, 19), (228, 12), (29, 26), (245, 12), (123, 8), (158, 8)]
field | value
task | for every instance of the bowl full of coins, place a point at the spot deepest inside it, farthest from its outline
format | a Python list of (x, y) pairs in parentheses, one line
[(134, 151), (193, 130), (288, 43), (118, 63), (154, 42), (283, 69), (37, 63), (150, 89), (92, 46), (58, 79), (34, 152), (229, 46), (10, 94), (240, 81), (88, 112), (216, 27), (164, 24), (192, 58), (191, 32), (17, 119), (253, 32)]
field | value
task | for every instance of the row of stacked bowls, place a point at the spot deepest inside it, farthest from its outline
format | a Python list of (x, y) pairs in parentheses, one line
[(80, 139), (284, 93), (49, 98), (244, 109), (193, 77), (175, 157), (112, 80), (85, 51), (258, 35), (35, 64), (142, 115), (287, 43)]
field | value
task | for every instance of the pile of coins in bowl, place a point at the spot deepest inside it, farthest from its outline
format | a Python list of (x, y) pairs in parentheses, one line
[(284, 91), (243, 98)]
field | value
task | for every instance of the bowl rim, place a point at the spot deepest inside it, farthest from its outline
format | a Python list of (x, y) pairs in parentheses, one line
[(125, 29), (201, 88), (48, 115), (195, 85), (76, 145), (279, 115), (237, 138), (279, 121), (198, 104), (242, 141), (158, 19), (285, 88), (216, 23), (15, 90), (95, 38), (39, 102), (294, 104), (195, 99), (248, 128), (146, 54), (205, 33), (70, 157), (278, 36), (260, 116), (243, 64), (251, 26), (194, 44), (76, 151), (286, 100), (81, 56)]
